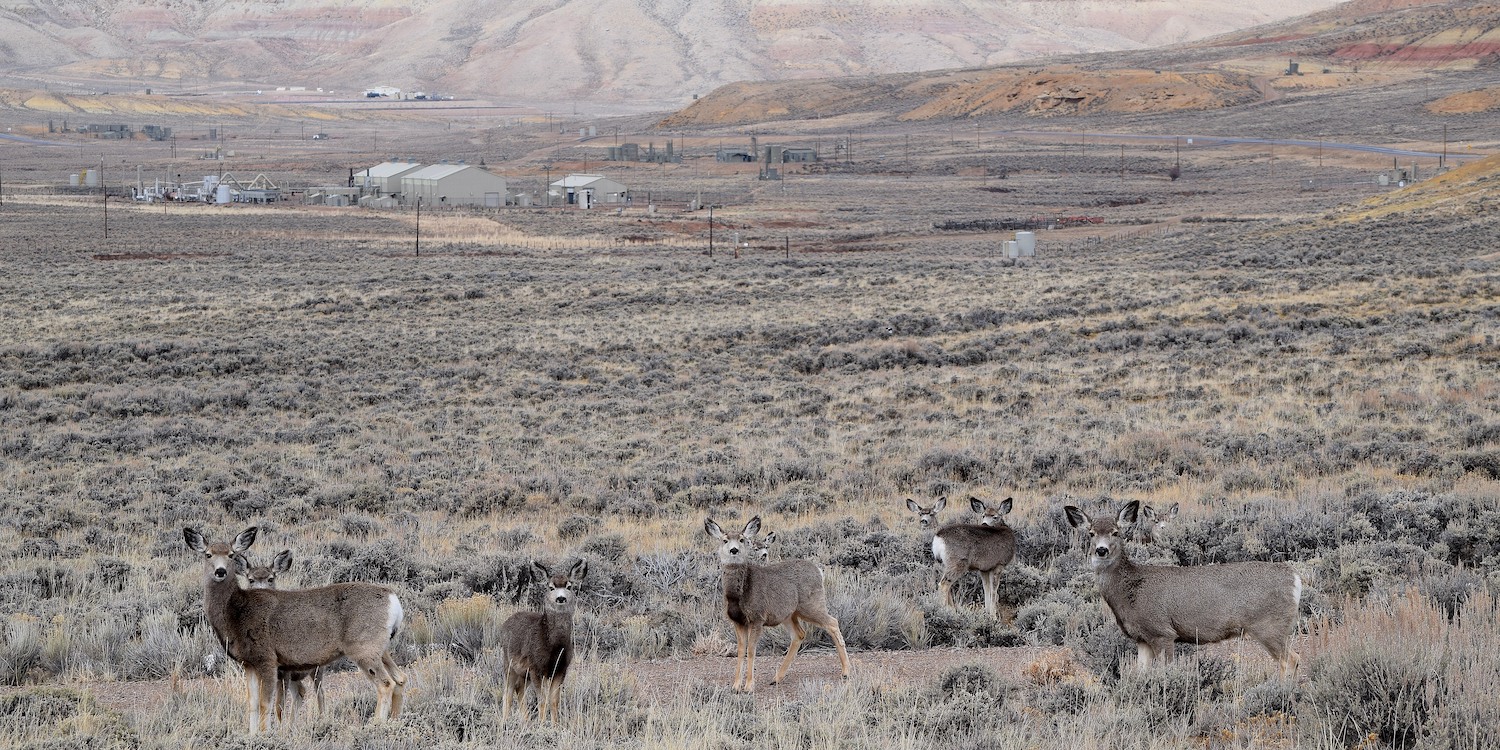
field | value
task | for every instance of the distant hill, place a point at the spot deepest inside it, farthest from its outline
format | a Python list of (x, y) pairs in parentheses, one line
[(556, 50), (1368, 40)]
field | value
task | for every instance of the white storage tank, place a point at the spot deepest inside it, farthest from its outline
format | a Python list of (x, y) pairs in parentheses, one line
[(1026, 244), (75, 180), (1010, 248), (91, 177), (221, 194)]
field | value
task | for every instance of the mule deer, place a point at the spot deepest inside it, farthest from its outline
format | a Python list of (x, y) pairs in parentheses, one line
[(1158, 606), (787, 593), (986, 547), (927, 517), (267, 629), (287, 680), (761, 547), (537, 647), (1152, 523)]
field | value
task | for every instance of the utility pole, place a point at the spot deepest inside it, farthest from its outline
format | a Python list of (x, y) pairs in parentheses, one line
[(419, 226), (547, 187), (1443, 162), (104, 191), (1122, 162), (710, 230), (976, 137), (1178, 141), (908, 149)]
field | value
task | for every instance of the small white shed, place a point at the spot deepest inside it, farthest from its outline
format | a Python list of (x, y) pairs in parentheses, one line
[(585, 190), (384, 178)]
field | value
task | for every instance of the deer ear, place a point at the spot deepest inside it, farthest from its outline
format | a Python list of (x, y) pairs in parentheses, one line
[(283, 561), (770, 538), (976, 505), (1006, 505), (752, 527), (542, 569), (194, 539), (580, 570), (1148, 513), (1076, 518), (1172, 511), (714, 530), (941, 503), (1129, 511), (245, 539), (240, 560), (912, 506)]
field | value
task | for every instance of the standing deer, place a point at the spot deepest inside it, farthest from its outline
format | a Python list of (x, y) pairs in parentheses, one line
[(537, 647), (293, 680), (267, 629), (986, 547), (1160, 605), (787, 593)]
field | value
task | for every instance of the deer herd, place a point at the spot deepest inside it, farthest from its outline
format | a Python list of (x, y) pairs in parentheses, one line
[(283, 637)]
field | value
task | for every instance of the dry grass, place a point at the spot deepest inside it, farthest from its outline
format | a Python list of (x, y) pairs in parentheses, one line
[(1316, 391)]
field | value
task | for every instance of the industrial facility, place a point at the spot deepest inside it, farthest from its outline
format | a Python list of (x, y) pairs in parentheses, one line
[(587, 190)]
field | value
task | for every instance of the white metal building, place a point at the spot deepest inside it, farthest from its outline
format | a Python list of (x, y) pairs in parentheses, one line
[(453, 185), (384, 178), (585, 190)]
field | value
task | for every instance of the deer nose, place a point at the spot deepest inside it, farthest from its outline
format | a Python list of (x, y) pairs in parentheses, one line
[(1101, 550), (734, 550), (220, 574), (560, 598)]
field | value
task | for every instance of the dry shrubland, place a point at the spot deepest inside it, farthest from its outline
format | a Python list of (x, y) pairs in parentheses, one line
[(1316, 392)]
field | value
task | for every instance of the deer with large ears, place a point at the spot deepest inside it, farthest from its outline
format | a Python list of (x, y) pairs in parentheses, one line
[(1158, 606), (269, 629), (292, 681), (787, 593), (986, 547), (537, 647)]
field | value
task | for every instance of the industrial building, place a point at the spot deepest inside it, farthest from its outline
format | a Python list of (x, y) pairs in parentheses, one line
[(384, 178), (453, 185), (586, 190)]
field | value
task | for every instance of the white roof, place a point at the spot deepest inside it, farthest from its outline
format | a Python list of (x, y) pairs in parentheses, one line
[(389, 169), (582, 180), (438, 171)]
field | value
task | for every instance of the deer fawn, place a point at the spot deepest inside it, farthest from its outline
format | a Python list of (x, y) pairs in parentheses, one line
[(986, 547), (537, 647), (1159, 606), (927, 517), (1152, 523), (267, 629), (787, 593), (287, 680), (761, 547)]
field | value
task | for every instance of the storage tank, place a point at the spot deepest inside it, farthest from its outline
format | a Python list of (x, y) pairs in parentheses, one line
[(91, 177), (75, 180), (1010, 248), (1026, 244), (221, 194)]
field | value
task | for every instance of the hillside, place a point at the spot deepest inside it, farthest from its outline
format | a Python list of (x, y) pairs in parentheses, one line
[(1360, 44), (1469, 190), (651, 50)]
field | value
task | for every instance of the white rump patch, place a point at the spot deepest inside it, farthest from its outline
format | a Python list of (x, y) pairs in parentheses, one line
[(1296, 589), (394, 617), (939, 549)]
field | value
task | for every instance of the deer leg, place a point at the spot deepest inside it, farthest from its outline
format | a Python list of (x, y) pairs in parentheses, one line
[(318, 689), (798, 633), (752, 641), (265, 683), (739, 656), (987, 581), (1143, 655), (384, 685), (554, 697), (398, 691), (830, 624), (251, 691)]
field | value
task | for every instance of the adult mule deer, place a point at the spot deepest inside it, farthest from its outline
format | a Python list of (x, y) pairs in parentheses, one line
[(288, 680), (986, 547), (1158, 606), (268, 629), (537, 647), (787, 593)]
